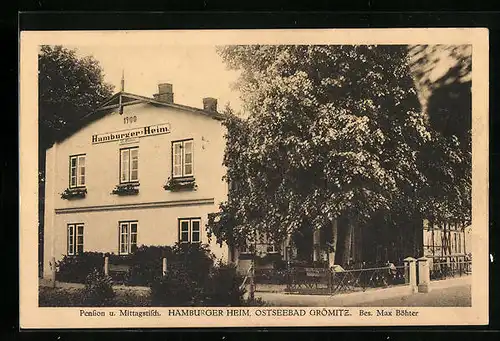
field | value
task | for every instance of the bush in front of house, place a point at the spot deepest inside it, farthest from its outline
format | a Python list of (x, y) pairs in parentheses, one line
[(188, 273), (224, 286), (98, 291), (174, 289), (193, 279), (195, 259), (75, 269), (146, 264)]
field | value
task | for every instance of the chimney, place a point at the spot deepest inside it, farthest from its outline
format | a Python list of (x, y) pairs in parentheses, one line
[(165, 93), (210, 104)]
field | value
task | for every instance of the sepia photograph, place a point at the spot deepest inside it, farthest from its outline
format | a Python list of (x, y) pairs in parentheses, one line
[(224, 179)]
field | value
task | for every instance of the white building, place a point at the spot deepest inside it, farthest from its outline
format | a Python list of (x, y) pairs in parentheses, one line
[(138, 171)]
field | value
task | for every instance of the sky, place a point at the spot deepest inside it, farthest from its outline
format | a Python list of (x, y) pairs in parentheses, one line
[(195, 71)]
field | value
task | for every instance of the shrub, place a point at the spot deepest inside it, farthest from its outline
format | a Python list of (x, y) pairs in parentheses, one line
[(320, 264), (224, 288), (194, 259), (280, 264), (193, 280), (76, 268), (176, 289), (188, 275), (98, 289), (146, 264)]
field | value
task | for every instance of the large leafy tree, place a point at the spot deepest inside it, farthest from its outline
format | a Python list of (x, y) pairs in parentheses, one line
[(69, 88), (333, 133), (443, 76)]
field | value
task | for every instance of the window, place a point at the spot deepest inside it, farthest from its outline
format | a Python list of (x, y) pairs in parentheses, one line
[(249, 247), (261, 243), (271, 248), (182, 158), (77, 171), (127, 237), (129, 165), (190, 230), (265, 241), (75, 239)]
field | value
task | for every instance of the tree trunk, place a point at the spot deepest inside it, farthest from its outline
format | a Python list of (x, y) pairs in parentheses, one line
[(347, 242), (343, 249), (333, 241), (419, 230)]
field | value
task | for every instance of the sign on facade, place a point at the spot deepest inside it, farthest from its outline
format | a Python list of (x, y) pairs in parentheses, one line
[(131, 133)]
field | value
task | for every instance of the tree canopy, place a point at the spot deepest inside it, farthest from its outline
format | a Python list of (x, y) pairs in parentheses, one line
[(332, 131), (69, 88)]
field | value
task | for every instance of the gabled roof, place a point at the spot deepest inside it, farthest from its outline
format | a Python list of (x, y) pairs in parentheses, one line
[(113, 103)]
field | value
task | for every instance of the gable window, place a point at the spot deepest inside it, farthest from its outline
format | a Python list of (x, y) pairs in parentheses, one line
[(190, 230), (182, 158), (127, 237), (77, 171), (129, 165), (75, 239)]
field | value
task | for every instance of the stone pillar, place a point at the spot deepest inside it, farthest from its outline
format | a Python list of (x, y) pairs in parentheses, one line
[(332, 244), (164, 266), (251, 291), (316, 245), (423, 274), (106, 265), (53, 271), (411, 273)]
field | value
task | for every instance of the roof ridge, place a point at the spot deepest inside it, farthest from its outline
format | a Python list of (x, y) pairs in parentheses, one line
[(154, 101)]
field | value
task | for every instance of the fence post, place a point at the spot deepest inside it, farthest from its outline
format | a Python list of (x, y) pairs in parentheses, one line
[(330, 275), (53, 272), (164, 266), (251, 293), (423, 274), (106, 265), (411, 273)]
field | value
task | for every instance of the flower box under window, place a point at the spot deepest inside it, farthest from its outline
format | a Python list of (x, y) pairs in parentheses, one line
[(74, 193), (126, 189), (180, 184)]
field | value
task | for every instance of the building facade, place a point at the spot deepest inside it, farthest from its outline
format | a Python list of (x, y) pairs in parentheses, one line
[(137, 171), (445, 239)]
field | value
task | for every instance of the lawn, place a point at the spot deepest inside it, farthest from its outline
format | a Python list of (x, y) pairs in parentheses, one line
[(73, 297)]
